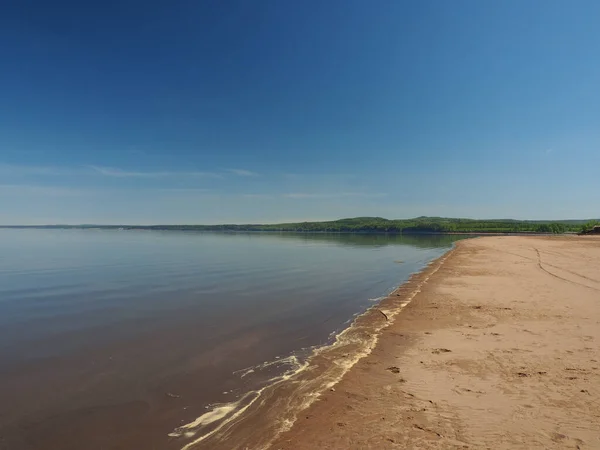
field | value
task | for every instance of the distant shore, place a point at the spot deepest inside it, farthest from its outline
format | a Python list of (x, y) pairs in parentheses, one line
[(417, 225), (273, 231)]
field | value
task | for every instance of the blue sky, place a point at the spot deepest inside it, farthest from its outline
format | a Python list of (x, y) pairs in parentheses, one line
[(237, 111)]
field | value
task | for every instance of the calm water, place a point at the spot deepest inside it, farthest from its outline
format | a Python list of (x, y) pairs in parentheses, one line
[(114, 338)]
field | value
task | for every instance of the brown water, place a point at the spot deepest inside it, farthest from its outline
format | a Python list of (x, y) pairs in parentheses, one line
[(115, 339)]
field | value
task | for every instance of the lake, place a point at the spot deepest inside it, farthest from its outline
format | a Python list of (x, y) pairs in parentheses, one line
[(113, 339)]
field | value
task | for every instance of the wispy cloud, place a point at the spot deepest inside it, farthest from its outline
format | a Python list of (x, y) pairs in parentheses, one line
[(243, 173), (303, 195), (46, 190), (121, 173), (22, 170), (259, 196), (115, 172), (180, 194), (181, 190), (317, 175), (37, 190)]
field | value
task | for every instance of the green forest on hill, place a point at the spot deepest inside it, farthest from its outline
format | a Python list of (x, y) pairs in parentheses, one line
[(381, 225), (417, 225)]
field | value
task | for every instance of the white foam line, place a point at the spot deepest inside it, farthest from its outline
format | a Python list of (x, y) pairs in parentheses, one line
[(288, 423), (205, 419), (244, 372), (234, 416), (346, 366)]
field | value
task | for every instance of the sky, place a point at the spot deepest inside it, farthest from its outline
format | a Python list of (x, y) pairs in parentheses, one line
[(216, 111)]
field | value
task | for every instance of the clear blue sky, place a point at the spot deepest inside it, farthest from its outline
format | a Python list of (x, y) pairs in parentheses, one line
[(239, 111)]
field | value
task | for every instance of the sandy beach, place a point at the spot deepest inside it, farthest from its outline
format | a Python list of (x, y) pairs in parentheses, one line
[(497, 349)]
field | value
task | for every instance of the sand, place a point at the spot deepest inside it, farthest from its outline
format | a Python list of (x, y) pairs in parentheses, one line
[(498, 348)]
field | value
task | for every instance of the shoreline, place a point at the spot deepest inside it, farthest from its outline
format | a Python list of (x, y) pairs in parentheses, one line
[(195, 354), (477, 350), (497, 350), (258, 418)]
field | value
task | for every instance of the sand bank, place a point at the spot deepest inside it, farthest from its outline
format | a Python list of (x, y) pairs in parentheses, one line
[(498, 349)]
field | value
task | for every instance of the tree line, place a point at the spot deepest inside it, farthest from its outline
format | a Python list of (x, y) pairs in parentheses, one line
[(381, 225)]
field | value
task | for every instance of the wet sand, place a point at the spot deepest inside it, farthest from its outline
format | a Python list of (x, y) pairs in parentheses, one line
[(499, 349)]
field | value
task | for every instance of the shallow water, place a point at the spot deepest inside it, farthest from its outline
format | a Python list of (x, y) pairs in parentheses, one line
[(113, 339)]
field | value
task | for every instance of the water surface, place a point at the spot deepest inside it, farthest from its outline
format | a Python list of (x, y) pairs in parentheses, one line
[(111, 339)]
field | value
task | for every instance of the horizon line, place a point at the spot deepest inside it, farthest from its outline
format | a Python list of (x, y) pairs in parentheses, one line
[(284, 223)]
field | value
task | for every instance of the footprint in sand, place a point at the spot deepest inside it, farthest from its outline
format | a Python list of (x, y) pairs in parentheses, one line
[(437, 351)]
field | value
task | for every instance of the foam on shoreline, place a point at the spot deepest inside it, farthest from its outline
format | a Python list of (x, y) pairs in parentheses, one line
[(260, 416)]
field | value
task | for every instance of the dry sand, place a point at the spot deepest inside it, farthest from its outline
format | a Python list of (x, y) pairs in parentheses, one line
[(499, 349)]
